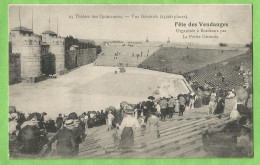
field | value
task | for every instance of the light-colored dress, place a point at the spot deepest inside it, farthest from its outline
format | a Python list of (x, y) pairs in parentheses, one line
[(152, 127), (110, 118), (234, 113)]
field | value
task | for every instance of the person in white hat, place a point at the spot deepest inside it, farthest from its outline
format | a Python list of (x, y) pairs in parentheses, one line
[(127, 137)]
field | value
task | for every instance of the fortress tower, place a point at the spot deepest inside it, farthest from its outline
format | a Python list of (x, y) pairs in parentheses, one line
[(28, 44), (57, 47)]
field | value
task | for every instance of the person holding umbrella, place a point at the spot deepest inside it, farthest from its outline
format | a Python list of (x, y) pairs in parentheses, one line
[(127, 136)]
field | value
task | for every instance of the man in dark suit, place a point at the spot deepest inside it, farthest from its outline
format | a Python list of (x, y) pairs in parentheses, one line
[(182, 102), (163, 104), (171, 106), (66, 144), (59, 121)]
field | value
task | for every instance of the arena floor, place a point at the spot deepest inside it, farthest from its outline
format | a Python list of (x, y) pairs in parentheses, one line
[(88, 88)]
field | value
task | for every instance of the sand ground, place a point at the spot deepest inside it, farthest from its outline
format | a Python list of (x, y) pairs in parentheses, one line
[(85, 89)]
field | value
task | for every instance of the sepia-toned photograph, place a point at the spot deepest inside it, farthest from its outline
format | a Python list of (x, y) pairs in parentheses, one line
[(130, 81)]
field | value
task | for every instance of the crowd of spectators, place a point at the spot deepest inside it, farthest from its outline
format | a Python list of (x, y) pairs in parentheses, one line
[(29, 133)]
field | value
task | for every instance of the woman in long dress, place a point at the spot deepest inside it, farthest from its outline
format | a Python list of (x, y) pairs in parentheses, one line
[(198, 102), (127, 136), (152, 127), (198, 99), (220, 105)]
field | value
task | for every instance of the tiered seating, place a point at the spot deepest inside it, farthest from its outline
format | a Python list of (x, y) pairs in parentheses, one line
[(124, 55), (180, 137), (183, 60), (232, 77)]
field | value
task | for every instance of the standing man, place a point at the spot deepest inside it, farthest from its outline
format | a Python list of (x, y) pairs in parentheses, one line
[(171, 106), (59, 121), (182, 102), (150, 107), (163, 104), (79, 133)]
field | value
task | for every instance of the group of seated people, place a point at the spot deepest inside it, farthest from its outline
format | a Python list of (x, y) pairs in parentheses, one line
[(30, 134)]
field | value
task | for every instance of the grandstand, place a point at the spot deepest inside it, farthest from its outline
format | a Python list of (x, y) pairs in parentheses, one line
[(182, 60), (178, 59), (125, 54), (227, 68)]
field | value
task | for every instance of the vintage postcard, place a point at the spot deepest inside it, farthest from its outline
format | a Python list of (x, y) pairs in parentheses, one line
[(130, 81)]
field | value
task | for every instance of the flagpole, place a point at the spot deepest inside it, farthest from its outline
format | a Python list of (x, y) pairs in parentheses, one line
[(20, 18), (57, 26), (32, 20)]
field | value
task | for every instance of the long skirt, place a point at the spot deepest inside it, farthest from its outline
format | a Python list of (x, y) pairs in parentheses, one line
[(212, 106), (198, 103), (153, 132), (127, 138)]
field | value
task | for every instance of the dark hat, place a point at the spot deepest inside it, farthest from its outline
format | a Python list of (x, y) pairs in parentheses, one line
[(151, 98), (73, 116)]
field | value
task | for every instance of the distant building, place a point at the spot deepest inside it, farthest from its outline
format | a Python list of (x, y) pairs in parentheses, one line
[(57, 47), (28, 44)]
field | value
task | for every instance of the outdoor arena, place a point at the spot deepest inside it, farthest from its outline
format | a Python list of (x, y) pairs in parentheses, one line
[(99, 85), (130, 81), (91, 88)]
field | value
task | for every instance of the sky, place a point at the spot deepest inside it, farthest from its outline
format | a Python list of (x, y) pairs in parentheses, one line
[(238, 17)]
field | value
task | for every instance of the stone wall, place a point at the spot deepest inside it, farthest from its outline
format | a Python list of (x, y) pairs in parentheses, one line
[(30, 61), (14, 68), (75, 58), (71, 59), (86, 56)]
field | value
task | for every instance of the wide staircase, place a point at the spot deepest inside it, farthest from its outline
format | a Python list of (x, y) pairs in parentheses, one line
[(179, 137)]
